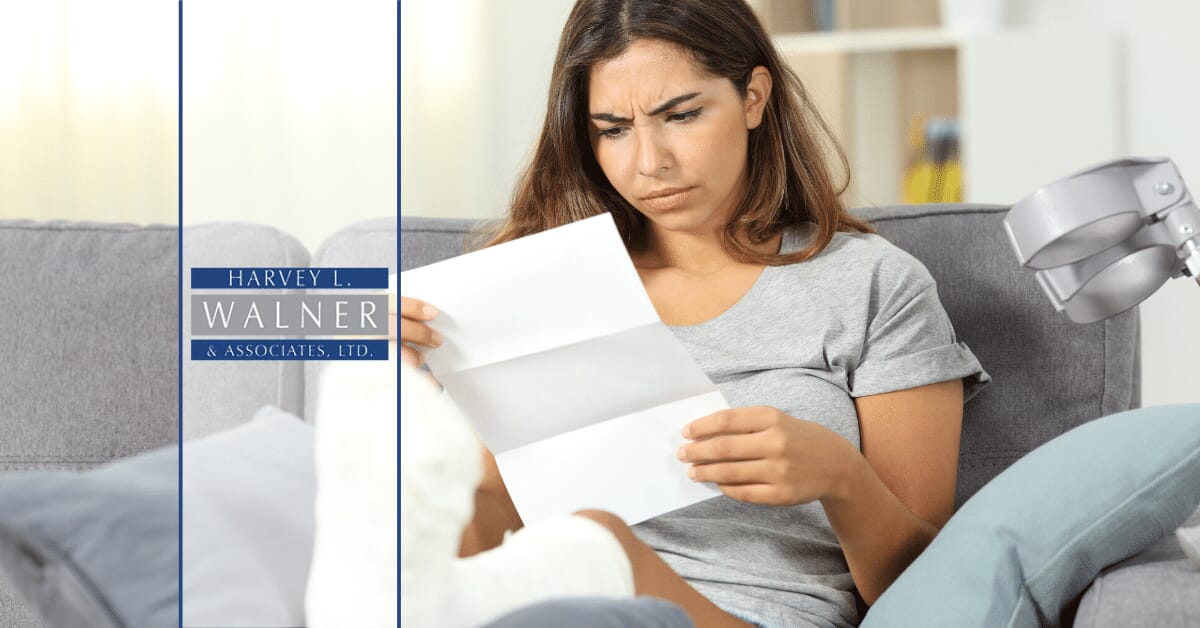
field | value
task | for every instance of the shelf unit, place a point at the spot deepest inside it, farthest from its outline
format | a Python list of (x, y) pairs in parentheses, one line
[(1032, 106)]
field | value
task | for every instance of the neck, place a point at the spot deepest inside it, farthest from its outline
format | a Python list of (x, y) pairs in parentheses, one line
[(694, 253)]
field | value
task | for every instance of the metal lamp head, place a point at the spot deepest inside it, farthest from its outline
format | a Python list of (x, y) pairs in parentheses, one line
[(1105, 239)]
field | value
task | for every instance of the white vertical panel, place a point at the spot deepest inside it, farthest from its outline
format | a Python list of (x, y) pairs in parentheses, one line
[(289, 113), (1035, 107)]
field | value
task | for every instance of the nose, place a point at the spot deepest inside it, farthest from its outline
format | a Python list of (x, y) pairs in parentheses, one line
[(653, 157)]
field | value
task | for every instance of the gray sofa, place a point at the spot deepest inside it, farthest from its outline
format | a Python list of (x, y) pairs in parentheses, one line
[(1049, 375), (88, 341), (88, 337)]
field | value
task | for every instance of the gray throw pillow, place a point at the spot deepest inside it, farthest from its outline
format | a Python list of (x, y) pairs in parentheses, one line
[(95, 549), (100, 548)]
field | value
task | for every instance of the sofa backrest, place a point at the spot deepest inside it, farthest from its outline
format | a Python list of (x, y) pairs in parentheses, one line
[(88, 309), (1048, 374)]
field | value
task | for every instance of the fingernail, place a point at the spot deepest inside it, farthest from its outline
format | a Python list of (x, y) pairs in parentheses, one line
[(437, 338), (682, 453), (687, 431), (429, 311), (692, 472)]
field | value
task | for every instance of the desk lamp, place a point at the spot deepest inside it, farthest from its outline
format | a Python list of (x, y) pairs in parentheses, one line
[(1103, 240)]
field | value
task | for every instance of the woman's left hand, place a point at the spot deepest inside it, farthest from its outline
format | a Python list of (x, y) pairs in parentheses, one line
[(763, 456)]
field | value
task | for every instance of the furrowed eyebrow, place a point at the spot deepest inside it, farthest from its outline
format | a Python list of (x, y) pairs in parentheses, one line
[(608, 117)]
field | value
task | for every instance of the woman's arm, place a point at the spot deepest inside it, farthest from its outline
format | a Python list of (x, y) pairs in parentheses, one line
[(898, 493), (885, 503)]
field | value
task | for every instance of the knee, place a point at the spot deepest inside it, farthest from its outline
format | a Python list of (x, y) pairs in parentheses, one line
[(613, 524), (610, 521)]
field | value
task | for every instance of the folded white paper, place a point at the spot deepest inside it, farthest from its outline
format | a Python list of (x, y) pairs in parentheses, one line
[(553, 350)]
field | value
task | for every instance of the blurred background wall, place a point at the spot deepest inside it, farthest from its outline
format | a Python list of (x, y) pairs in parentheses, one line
[(475, 75), (88, 110)]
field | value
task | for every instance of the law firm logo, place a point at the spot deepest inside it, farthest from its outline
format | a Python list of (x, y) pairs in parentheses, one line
[(289, 313)]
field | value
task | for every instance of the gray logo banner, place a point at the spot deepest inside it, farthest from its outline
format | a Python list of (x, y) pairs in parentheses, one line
[(289, 315)]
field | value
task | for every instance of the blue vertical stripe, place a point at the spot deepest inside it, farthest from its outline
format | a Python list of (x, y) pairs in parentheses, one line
[(179, 313), (398, 133)]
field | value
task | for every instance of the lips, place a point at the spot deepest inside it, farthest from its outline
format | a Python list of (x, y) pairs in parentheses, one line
[(667, 198)]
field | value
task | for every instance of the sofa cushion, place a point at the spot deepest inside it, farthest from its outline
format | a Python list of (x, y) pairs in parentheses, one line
[(218, 395), (1028, 543), (370, 243)]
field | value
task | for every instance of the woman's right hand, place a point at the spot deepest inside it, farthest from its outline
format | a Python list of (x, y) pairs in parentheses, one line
[(415, 333)]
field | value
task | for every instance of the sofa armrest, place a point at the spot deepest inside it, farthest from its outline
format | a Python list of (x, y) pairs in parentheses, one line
[(1152, 589)]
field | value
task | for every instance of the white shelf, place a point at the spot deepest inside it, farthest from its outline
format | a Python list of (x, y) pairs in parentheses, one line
[(1032, 105), (882, 40)]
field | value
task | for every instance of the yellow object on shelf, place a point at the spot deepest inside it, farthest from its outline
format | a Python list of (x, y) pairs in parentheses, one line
[(932, 182), (934, 174)]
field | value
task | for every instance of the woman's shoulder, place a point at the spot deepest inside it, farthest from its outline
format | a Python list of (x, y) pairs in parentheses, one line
[(859, 256), (859, 249)]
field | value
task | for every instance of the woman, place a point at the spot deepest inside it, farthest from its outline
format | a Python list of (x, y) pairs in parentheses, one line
[(838, 458)]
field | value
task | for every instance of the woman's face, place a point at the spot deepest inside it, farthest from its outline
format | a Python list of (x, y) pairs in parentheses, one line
[(671, 139)]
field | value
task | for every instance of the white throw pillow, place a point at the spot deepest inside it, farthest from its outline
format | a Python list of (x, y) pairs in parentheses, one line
[(248, 523)]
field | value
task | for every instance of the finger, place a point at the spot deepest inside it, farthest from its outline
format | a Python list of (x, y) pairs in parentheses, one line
[(731, 421), (724, 448), (417, 310), (766, 494), (392, 326), (419, 333), (744, 472), (411, 356)]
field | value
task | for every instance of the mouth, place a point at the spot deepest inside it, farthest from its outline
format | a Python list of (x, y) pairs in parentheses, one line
[(666, 199), (664, 193)]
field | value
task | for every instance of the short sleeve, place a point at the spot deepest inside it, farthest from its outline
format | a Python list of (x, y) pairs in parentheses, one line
[(910, 342)]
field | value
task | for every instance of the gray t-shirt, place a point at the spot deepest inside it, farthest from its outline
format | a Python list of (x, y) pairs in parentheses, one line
[(861, 318)]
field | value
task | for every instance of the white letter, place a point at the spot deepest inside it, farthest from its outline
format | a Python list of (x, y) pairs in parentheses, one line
[(304, 310), (220, 312), (366, 316), (231, 276), (339, 314), (253, 313), (279, 323)]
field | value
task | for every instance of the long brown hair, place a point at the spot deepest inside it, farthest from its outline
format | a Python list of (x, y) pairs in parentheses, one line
[(788, 180)]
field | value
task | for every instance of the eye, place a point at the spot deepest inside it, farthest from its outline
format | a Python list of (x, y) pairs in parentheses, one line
[(684, 116), (612, 132)]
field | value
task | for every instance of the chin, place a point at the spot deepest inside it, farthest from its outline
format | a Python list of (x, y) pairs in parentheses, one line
[(683, 220)]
